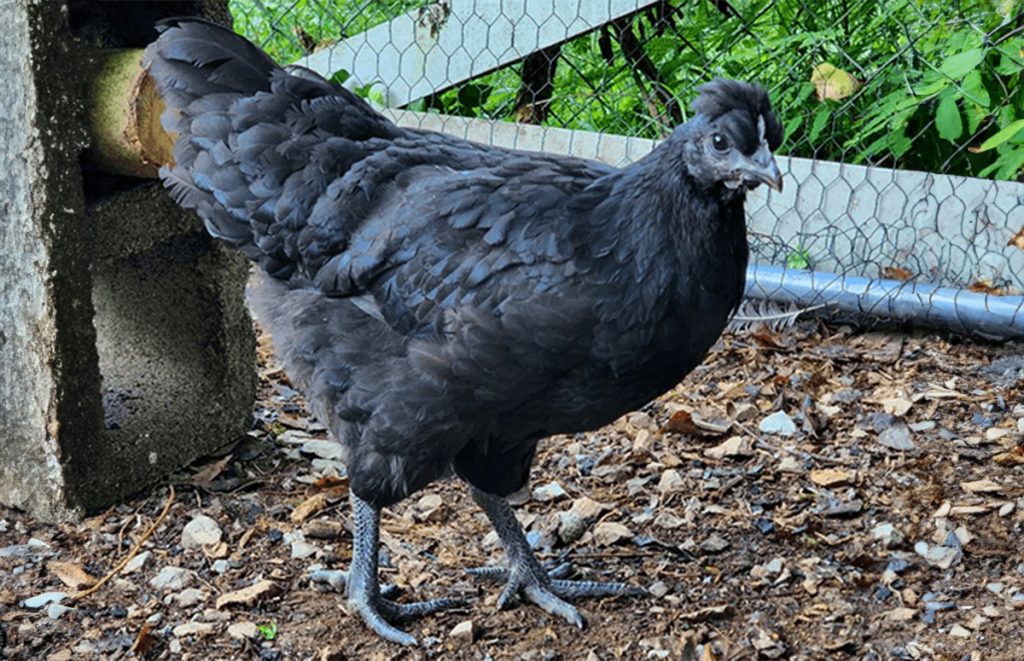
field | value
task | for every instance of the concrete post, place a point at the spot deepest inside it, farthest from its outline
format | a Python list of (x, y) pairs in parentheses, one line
[(125, 347)]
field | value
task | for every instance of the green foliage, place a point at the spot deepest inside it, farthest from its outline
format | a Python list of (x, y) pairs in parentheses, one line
[(934, 85), (798, 258), (267, 631)]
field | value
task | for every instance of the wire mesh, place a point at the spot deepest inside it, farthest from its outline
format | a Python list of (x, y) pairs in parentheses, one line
[(904, 120)]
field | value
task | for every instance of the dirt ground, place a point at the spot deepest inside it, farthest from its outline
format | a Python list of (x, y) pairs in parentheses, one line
[(817, 493)]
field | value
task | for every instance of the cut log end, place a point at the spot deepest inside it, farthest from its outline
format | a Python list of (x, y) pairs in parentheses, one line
[(124, 117)]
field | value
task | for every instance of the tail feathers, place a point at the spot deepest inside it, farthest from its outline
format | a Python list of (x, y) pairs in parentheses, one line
[(194, 58)]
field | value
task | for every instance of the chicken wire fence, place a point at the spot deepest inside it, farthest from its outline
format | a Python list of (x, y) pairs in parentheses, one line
[(904, 120)]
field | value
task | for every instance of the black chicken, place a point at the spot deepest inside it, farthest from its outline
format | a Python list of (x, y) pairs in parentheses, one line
[(445, 305)]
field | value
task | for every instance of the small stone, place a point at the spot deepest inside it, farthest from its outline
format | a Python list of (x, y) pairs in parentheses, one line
[(942, 557), (214, 615), (548, 492), (715, 543), (897, 437), (199, 532), (790, 464), (778, 423), (641, 420), (1006, 509), (430, 507), (587, 508), (668, 520), (887, 534), (172, 579), (670, 482), (571, 526), (993, 434), (155, 618), (610, 532), (136, 563), (995, 588), (243, 630), (187, 598), (735, 447), (323, 449), (464, 632), (659, 589), (54, 611), (44, 599), (194, 629), (300, 548), (958, 631), (901, 614), (221, 566)]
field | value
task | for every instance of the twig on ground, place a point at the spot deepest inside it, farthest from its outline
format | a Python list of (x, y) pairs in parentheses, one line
[(131, 554)]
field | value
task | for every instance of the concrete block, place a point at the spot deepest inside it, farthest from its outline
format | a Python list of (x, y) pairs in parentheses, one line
[(125, 347)]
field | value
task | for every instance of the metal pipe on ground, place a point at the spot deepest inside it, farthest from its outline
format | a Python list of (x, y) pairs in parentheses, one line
[(959, 310)]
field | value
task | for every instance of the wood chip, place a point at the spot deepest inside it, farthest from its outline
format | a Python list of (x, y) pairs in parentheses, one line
[(309, 507), (981, 486), (250, 595), (830, 477)]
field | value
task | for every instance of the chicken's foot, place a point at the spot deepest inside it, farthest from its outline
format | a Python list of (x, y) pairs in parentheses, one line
[(525, 576), (362, 587)]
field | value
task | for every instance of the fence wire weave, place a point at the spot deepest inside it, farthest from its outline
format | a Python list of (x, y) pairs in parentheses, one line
[(904, 120)]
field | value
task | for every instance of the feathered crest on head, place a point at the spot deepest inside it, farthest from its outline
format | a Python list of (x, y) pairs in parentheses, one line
[(722, 96)]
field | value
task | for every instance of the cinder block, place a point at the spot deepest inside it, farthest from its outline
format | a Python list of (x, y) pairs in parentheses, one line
[(126, 350)]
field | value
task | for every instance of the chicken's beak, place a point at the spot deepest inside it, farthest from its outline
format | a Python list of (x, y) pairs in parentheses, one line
[(762, 168)]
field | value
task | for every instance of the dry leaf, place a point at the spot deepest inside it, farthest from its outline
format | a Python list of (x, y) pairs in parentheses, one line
[(897, 273), (1017, 240), (832, 83), (71, 575), (208, 473), (144, 641)]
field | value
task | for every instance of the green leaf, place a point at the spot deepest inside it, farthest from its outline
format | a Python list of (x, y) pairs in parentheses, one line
[(1002, 136), (340, 76), (798, 258), (267, 631), (959, 65), (948, 120), (474, 96), (820, 119), (974, 88)]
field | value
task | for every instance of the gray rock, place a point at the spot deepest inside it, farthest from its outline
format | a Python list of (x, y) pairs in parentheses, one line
[(548, 492), (44, 599), (715, 543), (200, 531), (778, 423), (172, 579), (571, 526), (55, 611), (137, 563), (897, 437)]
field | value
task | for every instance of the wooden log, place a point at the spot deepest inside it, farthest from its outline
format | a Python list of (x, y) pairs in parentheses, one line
[(124, 116)]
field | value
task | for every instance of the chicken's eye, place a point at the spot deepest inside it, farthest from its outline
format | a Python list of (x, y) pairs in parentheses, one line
[(719, 142)]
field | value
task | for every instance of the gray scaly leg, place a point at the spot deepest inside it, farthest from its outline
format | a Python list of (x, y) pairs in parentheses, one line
[(526, 576), (362, 587)]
